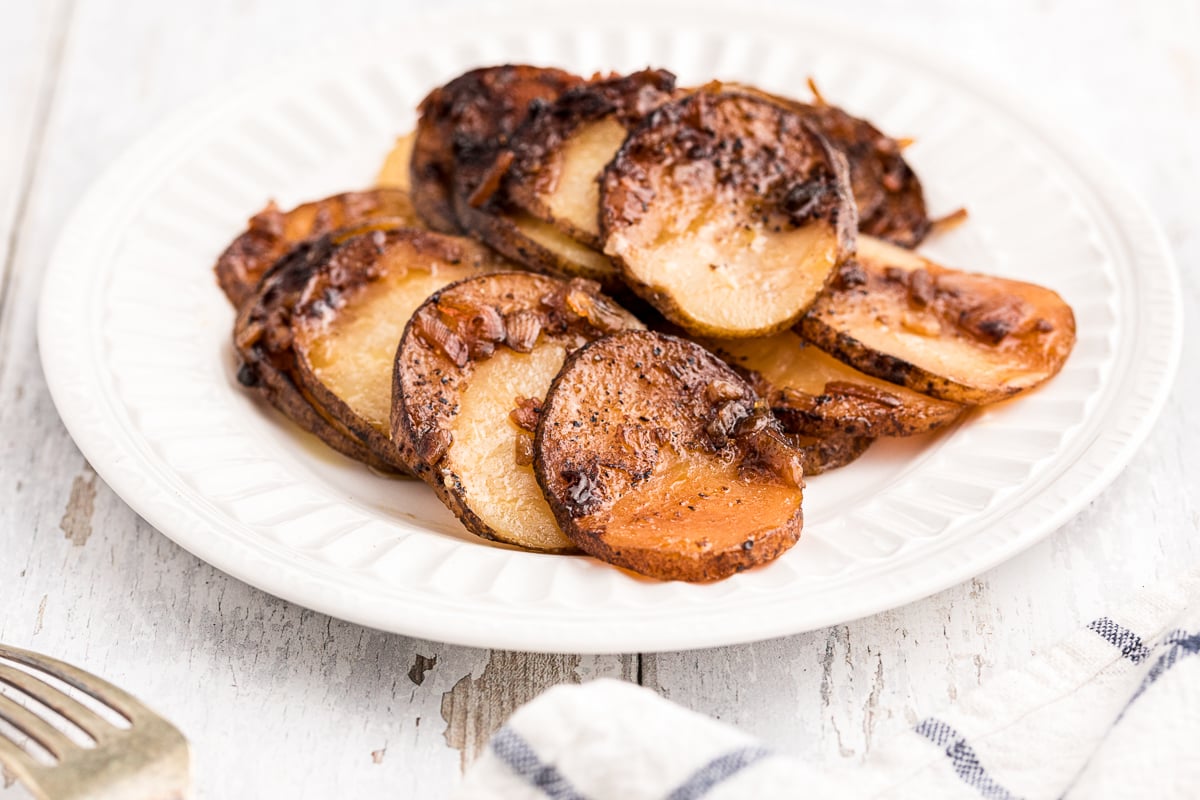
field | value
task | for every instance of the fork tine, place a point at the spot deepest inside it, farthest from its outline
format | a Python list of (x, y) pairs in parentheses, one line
[(92, 723), (36, 728), (17, 760), (120, 701)]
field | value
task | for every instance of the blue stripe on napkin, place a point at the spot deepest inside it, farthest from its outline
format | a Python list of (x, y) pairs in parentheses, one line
[(511, 748), (720, 769), (1120, 637), (963, 758)]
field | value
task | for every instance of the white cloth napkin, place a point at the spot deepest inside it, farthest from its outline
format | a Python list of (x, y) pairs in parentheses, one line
[(1112, 711)]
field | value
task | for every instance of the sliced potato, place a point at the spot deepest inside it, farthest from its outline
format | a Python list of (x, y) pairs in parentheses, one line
[(887, 193), (815, 394), (958, 336), (890, 200), (655, 456), (821, 454), (563, 147), (273, 232), (463, 126), (352, 312), (727, 213), (262, 337), (395, 172), (541, 247), (473, 365)]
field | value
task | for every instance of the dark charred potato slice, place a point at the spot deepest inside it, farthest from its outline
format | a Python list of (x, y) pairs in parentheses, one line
[(473, 366), (815, 394), (560, 151), (888, 194), (821, 454), (727, 213), (463, 126), (272, 233), (958, 336), (655, 456), (352, 312)]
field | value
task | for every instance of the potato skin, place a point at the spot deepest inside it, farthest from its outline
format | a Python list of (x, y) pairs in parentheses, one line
[(462, 127), (353, 265), (537, 145), (822, 454), (464, 324), (816, 395), (503, 233), (624, 402), (1022, 326), (736, 148), (890, 200), (272, 232), (887, 192), (262, 338)]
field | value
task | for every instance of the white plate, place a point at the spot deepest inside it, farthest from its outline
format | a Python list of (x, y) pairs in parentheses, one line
[(135, 342)]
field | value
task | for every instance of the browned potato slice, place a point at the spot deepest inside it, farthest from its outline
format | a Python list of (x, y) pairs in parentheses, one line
[(887, 193), (300, 306), (273, 232), (262, 338), (394, 174), (471, 370), (462, 127), (352, 312), (959, 336), (560, 151), (890, 200), (727, 213), (655, 456), (813, 393), (821, 454), (541, 247)]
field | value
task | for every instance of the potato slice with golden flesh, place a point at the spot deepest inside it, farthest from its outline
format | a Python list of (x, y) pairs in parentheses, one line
[(463, 126), (541, 247), (727, 213), (394, 174), (813, 393), (655, 456), (560, 151), (272, 233), (958, 336), (352, 312), (262, 337), (473, 365)]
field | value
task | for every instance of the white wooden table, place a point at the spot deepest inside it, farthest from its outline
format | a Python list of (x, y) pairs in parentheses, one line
[(280, 701)]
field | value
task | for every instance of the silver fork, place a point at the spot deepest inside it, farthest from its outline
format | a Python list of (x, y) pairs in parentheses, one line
[(148, 760)]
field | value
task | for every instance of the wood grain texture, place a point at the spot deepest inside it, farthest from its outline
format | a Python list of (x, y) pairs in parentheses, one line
[(280, 701)]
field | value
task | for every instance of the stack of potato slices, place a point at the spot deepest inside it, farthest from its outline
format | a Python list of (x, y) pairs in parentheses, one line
[(615, 315)]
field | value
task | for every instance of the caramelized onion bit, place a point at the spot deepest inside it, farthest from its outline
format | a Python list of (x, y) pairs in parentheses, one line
[(523, 329), (434, 443), (437, 335), (525, 415)]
